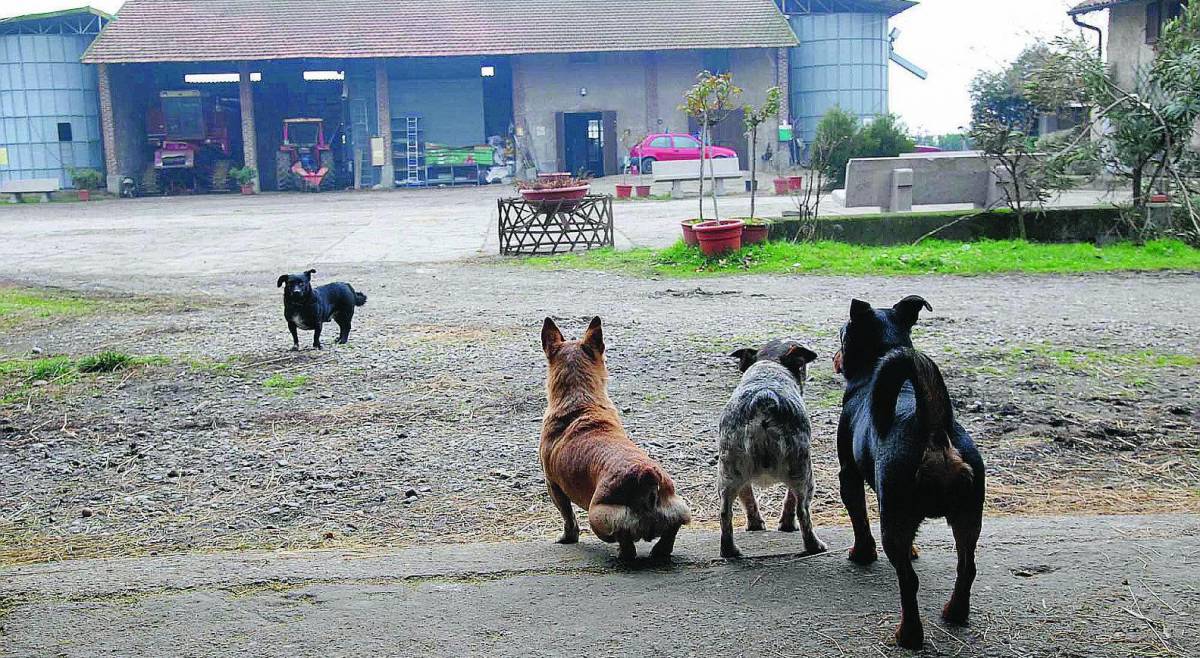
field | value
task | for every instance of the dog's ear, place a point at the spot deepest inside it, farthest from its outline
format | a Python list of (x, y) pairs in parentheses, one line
[(594, 336), (746, 358), (282, 280), (309, 273), (551, 336), (859, 308), (908, 309), (798, 355)]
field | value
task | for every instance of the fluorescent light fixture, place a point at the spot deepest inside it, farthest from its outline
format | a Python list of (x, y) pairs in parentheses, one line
[(213, 78), (487, 71), (324, 75)]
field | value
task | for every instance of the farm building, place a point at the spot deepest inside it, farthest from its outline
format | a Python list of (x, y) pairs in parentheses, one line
[(49, 112), (401, 92)]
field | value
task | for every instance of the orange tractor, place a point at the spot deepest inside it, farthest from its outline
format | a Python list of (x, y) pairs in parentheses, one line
[(305, 159)]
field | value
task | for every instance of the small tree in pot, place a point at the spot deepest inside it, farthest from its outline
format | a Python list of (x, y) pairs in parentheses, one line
[(245, 177), (85, 180), (754, 118), (710, 101)]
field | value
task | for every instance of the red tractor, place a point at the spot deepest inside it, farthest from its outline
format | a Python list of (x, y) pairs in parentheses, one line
[(305, 159), (190, 134)]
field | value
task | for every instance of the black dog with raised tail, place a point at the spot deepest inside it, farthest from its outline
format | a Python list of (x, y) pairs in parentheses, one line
[(898, 434), (308, 308)]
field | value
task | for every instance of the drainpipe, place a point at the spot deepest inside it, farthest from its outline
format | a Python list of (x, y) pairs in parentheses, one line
[(1098, 31)]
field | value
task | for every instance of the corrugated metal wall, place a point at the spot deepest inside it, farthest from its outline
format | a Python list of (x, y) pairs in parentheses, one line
[(842, 60), (42, 84)]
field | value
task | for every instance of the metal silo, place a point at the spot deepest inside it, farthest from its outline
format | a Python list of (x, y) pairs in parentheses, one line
[(49, 107), (842, 58)]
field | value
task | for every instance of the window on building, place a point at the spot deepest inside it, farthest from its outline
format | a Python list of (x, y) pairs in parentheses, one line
[(487, 71), (1158, 13), (64, 132), (715, 61), (320, 76), (216, 78)]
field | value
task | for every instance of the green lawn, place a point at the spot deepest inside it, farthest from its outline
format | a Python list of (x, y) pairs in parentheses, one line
[(929, 257), (20, 304)]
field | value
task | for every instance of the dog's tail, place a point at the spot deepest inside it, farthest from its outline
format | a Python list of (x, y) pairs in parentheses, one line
[(639, 506), (359, 298), (942, 468)]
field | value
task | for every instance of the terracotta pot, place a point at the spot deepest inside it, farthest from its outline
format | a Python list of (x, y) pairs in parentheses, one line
[(643, 190), (795, 182), (754, 233), (623, 191), (564, 197), (248, 189), (85, 195), (689, 232), (719, 237), (781, 187), (1159, 198)]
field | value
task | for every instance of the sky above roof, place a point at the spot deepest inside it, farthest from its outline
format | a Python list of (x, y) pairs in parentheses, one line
[(952, 39)]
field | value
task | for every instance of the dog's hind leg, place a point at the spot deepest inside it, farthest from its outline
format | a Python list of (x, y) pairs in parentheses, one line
[(966, 535), (787, 520), (317, 335), (754, 519), (666, 544), (343, 318), (728, 549), (803, 489), (570, 533), (898, 535), (855, 499), (628, 550)]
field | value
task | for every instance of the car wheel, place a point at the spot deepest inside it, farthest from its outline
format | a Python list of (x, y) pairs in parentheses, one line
[(647, 166)]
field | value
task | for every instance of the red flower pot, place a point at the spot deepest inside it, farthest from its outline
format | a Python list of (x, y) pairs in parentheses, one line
[(643, 190), (1159, 198), (565, 197), (718, 237), (623, 191), (689, 232), (85, 195), (248, 189), (754, 233), (795, 182), (781, 187)]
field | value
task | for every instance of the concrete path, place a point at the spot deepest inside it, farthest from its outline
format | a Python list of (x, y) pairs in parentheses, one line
[(218, 234), (1080, 586)]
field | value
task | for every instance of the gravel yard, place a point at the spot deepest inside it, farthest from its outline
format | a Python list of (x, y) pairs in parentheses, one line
[(1082, 392)]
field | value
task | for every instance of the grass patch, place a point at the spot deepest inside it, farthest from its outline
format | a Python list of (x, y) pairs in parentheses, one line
[(19, 305), (21, 374), (929, 257), (284, 385), (1090, 359)]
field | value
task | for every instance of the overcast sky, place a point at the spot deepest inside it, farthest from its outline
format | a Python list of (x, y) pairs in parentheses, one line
[(952, 39)]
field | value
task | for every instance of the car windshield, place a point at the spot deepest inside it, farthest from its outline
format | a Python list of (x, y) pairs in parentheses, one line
[(686, 143)]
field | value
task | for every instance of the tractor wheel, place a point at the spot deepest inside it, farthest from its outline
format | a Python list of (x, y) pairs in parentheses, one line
[(285, 181), (330, 180), (150, 181), (219, 178)]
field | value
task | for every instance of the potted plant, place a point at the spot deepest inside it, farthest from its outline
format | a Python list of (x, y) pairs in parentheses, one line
[(710, 101), (624, 189), (563, 190), (719, 236), (754, 230), (245, 178), (85, 180), (753, 118), (689, 232), (795, 183)]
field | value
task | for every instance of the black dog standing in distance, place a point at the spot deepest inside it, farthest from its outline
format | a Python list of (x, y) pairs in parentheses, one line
[(898, 434), (307, 308)]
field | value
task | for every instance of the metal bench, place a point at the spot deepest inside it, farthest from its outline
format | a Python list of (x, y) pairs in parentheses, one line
[(18, 188), (678, 171)]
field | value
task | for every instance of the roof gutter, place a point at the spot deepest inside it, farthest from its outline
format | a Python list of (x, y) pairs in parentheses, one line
[(1098, 31)]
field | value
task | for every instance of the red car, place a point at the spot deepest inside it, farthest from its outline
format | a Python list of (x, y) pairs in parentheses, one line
[(672, 146)]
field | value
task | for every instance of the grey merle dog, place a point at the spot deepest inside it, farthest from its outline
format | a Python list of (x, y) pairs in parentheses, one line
[(764, 437)]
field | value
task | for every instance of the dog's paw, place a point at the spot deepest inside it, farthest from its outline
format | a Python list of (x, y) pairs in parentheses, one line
[(756, 525), (955, 612), (295, 348), (660, 554), (814, 545), (568, 538), (863, 554), (914, 553), (318, 347), (910, 635), (788, 526), (730, 553)]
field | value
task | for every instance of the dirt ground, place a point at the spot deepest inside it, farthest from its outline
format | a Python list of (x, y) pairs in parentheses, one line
[(1082, 392)]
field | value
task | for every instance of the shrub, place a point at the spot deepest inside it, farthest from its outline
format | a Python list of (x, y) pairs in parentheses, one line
[(85, 178), (846, 139), (243, 175)]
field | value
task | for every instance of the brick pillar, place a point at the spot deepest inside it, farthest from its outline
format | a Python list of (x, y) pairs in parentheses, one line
[(651, 86), (782, 79), (249, 135), (108, 130), (383, 109)]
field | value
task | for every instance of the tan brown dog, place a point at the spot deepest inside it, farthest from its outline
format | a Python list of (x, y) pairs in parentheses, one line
[(589, 460)]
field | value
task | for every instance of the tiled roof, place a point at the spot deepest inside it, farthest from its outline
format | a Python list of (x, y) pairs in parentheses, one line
[(1095, 5), (227, 30)]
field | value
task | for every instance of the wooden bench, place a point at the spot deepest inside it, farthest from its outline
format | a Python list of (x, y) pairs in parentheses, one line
[(18, 188), (678, 171)]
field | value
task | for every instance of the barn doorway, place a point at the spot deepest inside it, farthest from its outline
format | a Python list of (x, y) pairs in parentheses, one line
[(587, 143)]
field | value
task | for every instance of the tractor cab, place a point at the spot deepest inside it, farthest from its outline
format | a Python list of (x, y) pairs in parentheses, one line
[(305, 159)]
